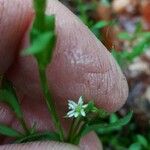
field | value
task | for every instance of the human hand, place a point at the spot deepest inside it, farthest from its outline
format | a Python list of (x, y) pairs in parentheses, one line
[(81, 65)]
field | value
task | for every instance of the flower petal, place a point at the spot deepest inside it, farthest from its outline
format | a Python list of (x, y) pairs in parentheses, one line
[(71, 106), (73, 103), (80, 102), (70, 112), (76, 114), (84, 106), (83, 112), (71, 115)]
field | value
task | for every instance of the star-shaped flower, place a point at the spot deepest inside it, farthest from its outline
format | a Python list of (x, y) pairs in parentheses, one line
[(76, 109)]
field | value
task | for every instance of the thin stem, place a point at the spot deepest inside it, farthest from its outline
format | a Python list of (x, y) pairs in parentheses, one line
[(24, 126), (78, 134), (39, 6), (75, 129), (49, 102), (71, 130)]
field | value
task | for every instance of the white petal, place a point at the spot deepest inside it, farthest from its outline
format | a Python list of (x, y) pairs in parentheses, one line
[(70, 112), (76, 114), (80, 100), (72, 103), (71, 106), (84, 106), (83, 112), (71, 115)]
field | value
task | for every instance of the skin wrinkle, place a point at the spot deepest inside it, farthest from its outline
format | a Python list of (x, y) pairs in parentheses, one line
[(40, 146)]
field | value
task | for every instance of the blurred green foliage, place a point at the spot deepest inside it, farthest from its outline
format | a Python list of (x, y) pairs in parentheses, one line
[(139, 42), (129, 137)]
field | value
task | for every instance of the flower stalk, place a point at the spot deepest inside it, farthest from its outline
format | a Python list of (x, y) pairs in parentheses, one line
[(50, 103)]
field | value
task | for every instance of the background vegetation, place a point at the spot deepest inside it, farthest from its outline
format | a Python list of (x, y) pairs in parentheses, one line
[(123, 26)]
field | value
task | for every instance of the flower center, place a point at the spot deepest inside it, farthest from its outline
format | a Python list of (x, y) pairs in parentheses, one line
[(78, 108)]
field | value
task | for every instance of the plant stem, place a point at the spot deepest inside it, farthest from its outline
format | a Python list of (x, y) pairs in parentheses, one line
[(76, 124), (78, 134), (24, 126), (50, 103), (70, 130)]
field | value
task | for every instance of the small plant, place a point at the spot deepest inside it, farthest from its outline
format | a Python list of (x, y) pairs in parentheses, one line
[(85, 117), (138, 43)]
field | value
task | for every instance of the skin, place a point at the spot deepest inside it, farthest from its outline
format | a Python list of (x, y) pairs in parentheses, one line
[(81, 65)]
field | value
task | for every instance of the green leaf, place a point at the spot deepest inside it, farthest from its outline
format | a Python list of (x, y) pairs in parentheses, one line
[(39, 22), (90, 106), (142, 140), (50, 136), (8, 96), (39, 44), (50, 23), (42, 43), (101, 24), (45, 56), (135, 146), (102, 113), (107, 127), (136, 51), (139, 27), (7, 131), (39, 5), (125, 36), (145, 35), (113, 118)]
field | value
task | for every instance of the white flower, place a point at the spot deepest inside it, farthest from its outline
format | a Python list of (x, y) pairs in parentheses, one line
[(76, 109)]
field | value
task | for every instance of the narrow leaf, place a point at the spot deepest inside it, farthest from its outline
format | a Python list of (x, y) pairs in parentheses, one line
[(135, 146), (50, 23), (51, 136), (39, 44), (142, 140), (125, 36), (7, 131), (101, 24), (39, 22), (107, 127), (11, 100)]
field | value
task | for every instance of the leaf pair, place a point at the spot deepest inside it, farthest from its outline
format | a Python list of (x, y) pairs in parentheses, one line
[(99, 128), (51, 136), (8, 96), (42, 35), (91, 108)]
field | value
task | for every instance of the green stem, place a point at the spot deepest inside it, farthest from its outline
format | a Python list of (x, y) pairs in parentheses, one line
[(70, 130), (39, 6), (49, 102), (77, 136), (76, 125), (24, 126)]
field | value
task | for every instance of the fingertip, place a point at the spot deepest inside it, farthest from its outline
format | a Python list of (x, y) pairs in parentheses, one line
[(91, 142)]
